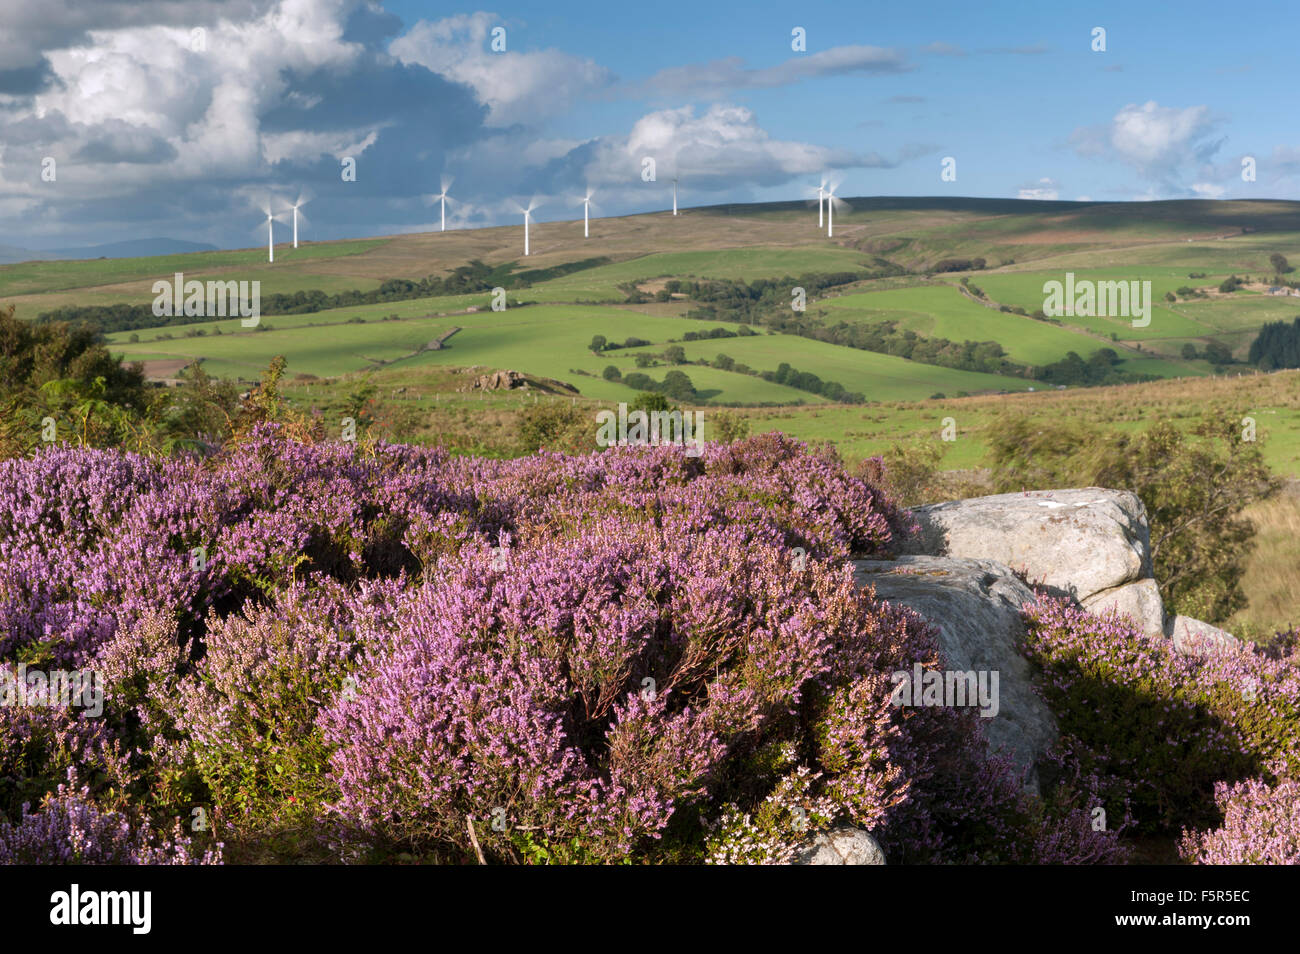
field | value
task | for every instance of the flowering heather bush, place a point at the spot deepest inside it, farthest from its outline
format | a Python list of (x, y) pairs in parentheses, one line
[(40, 746), (247, 715), (1162, 728), (597, 684), (77, 552), (71, 830), (1261, 826), (619, 693), (592, 658)]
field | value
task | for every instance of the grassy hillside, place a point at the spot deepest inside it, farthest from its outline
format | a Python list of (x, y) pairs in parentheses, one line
[(1023, 244)]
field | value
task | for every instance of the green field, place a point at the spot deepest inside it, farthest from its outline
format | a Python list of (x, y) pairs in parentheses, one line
[(547, 340), (942, 311), (880, 377)]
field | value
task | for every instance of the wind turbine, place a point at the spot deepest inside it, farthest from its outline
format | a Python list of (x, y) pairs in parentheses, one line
[(527, 212), (674, 195), (270, 231), (821, 194), (442, 199), (831, 200), (302, 200), (586, 213)]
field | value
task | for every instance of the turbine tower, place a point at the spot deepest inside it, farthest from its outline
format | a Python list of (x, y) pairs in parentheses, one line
[(298, 203), (674, 195), (821, 194), (527, 212), (831, 201), (586, 214), (270, 232), (442, 199)]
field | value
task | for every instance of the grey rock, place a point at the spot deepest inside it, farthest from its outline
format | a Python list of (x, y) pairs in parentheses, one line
[(843, 845), (1077, 542), (499, 380), (1141, 601), (1194, 636), (975, 607)]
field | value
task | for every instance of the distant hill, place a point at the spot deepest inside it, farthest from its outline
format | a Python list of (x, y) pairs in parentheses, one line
[(132, 248)]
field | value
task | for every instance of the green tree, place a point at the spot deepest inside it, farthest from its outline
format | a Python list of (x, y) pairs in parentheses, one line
[(611, 373), (649, 401), (1195, 485), (678, 386), (63, 371), (598, 343), (1217, 353), (198, 413)]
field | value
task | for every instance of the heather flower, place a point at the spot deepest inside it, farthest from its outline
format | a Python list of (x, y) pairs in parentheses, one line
[(587, 658), (1261, 826), (1159, 728), (70, 829)]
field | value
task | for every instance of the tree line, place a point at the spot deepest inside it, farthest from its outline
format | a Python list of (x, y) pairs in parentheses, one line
[(1276, 346)]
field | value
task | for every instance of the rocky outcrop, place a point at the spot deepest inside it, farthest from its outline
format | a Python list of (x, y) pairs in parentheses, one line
[(1093, 544), (842, 845), (1193, 636), (975, 606), (499, 381), (1140, 600)]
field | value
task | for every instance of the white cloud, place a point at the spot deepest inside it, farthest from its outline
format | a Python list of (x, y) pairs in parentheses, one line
[(1208, 190), (148, 128), (1151, 134), (1155, 139), (723, 148), (517, 87), (1045, 188), (204, 105)]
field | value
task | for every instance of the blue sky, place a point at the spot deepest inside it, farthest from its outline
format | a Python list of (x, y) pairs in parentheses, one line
[(153, 132)]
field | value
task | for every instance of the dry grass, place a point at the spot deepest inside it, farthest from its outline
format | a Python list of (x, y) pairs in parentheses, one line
[(1272, 581)]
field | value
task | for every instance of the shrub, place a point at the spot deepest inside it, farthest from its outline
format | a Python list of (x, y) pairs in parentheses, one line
[(727, 427), (1162, 728), (1194, 485), (649, 401), (555, 426), (1261, 826), (248, 712), (71, 830), (498, 620), (620, 693)]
